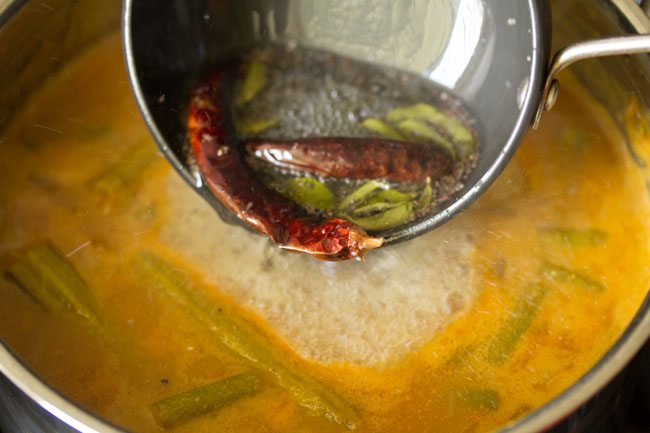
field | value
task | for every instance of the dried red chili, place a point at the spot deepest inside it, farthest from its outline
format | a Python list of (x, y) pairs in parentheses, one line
[(356, 158), (222, 163)]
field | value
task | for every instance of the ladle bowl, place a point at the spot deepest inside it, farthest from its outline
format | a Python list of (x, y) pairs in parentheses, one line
[(493, 56)]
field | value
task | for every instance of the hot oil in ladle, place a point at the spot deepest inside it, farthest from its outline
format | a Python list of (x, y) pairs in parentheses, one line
[(346, 139)]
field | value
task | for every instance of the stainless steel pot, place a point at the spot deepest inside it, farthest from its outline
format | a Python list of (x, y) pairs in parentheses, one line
[(37, 37)]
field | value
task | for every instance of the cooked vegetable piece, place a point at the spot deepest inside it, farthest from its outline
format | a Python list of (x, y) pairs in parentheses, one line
[(361, 194), (481, 398), (419, 129), (309, 193), (126, 170), (382, 128), (30, 282), (460, 356), (561, 275), (389, 219), (200, 401), (52, 281), (252, 127), (574, 238), (254, 81), (521, 317), (243, 340)]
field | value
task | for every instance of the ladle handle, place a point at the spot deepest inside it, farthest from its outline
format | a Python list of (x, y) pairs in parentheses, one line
[(586, 50)]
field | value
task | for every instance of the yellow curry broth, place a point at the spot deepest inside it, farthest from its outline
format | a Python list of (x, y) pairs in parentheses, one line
[(573, 173)]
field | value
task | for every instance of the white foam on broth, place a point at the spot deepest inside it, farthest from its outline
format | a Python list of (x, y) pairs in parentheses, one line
[(365, 313)]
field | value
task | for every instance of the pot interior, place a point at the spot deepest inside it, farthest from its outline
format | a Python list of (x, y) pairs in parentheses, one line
[(121, 287)]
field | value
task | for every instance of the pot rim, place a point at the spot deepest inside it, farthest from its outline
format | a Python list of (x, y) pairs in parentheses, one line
[(612, 362)]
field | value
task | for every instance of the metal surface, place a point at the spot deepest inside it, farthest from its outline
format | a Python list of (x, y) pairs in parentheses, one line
[(612, 81), (456, 44), (440, 55), (36, 39), (583, 51)]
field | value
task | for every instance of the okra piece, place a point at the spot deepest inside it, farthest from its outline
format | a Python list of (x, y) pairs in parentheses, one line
[(45, 275), (382, 128), (481, 398), (243, 340), (390, 196), (561, 275), (573, 238), (519, 320), (205, 399), (309, 193), (126, 171), (254, 81)]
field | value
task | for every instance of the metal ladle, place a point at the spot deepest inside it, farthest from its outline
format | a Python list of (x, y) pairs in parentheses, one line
[(494, 55)]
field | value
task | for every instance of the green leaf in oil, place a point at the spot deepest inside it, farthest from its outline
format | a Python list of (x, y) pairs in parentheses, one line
[(309, 192), (252, 127), (462, 137), (428, 113), (382, 128), (389, 219), (254, 81), (361, 194), (424, 200), (373, 209), (390, 196), (420, 129), (464, 149), (415, 111)]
